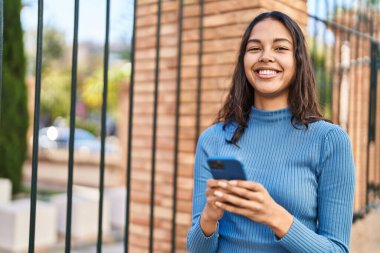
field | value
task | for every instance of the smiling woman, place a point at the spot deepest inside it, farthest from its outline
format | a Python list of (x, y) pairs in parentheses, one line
[(269, 64), (298, 196)]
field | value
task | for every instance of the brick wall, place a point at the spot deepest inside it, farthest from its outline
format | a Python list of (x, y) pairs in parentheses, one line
[(224, 23)]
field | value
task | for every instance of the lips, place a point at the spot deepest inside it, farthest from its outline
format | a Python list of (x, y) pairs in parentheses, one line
[(266, 73)]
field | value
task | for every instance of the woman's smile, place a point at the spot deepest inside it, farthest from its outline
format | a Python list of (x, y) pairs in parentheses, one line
[(267, 73)]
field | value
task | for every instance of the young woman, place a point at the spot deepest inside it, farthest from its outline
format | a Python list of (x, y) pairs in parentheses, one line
[(298, 196)]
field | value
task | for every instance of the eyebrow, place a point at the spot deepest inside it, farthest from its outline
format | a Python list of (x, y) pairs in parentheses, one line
[(274, 40)]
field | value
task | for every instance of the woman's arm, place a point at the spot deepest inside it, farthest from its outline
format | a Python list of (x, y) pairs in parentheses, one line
[(203, 234), (335, 200)]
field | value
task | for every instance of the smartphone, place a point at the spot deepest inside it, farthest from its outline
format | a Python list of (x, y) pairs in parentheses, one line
[(227, 168)]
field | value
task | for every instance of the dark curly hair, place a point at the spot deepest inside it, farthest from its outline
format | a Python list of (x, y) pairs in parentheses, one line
[(302, 98)]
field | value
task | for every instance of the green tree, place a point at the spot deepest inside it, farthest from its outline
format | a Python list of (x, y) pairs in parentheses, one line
[(321, 60), (55, 93), (14, 114), (92, 88), (56, 75), (53, 47)]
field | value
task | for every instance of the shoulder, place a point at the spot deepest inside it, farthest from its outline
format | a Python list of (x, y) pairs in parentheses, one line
[(328, 130), (334, 140), (212, 132), (216, 133), (335, 149), (329, 138)]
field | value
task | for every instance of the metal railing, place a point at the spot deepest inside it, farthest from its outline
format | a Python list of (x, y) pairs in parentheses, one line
[(72, 131), (33, 194), (1, 49), (354, 37)]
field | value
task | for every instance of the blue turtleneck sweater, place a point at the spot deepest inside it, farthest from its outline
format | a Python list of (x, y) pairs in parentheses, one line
[(308, 171)]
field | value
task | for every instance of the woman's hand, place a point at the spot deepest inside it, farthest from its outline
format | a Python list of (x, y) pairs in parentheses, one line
[(252, 200), (211, 213)]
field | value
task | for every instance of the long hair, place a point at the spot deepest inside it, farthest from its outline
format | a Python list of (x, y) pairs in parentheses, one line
[(302, 97)]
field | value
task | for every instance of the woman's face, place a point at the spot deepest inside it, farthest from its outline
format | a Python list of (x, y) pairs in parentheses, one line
[(269, 62)]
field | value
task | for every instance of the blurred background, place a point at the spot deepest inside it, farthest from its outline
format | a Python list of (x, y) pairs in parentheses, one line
[(181, 62)]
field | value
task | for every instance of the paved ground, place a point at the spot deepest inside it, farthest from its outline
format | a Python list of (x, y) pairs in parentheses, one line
[(116, 248), (365, 237)]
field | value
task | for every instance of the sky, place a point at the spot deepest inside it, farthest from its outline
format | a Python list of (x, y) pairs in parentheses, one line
[(60, 14), (92, 15)]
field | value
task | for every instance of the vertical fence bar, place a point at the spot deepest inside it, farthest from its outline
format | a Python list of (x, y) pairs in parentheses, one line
[(199, 85), (374, 47), (130, 128), (333, 56), (346, 19), (154, 135), (177, 112), (72, 129), (1, 51), (36, 126), (325, 66), (103, 130), (314, 48), (359, 66)]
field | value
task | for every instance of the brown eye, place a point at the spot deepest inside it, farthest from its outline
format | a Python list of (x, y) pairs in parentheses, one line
[(253, 49), (282, 49)]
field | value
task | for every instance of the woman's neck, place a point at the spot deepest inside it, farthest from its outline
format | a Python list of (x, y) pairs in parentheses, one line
[(270, 105), (271, 102)]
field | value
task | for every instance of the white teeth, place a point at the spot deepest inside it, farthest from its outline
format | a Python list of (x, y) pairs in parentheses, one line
[(267, 72)]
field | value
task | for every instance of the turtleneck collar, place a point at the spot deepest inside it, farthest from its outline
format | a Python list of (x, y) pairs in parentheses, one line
[(270, 116)]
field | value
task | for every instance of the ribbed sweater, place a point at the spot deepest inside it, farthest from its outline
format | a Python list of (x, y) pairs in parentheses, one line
[(308, 171)]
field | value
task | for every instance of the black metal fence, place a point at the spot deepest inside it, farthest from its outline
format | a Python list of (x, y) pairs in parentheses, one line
[(72, 128), (345, 53), (338, 24)]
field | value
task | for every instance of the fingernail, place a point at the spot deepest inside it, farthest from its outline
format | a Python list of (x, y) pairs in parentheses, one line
[(218, 193), (233, 182), (218, 203), (222, 184)]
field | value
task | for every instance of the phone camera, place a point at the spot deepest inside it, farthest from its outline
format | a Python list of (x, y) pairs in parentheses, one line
[(217, 165)]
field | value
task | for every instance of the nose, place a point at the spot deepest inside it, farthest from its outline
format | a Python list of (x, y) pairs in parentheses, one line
[(266, 56)]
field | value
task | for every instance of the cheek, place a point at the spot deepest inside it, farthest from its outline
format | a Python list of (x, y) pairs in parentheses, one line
[(248, 63), (291, 67)]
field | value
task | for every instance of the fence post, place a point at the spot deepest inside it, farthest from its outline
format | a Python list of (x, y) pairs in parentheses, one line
[(372, 112), (36, 126), (1, 49)]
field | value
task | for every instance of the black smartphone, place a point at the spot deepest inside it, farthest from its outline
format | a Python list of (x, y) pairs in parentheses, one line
[(227, 168)]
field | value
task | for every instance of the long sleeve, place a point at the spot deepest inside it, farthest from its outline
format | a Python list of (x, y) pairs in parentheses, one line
[(196, 240), (336, 180)]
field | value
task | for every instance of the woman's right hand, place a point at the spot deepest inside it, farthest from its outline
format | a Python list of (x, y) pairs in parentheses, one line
[(211, 213)]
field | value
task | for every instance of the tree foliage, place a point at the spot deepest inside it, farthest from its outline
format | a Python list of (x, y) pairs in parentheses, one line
[(92, 88), (55, 93), (53, 47), (14, 114), (322, 64)]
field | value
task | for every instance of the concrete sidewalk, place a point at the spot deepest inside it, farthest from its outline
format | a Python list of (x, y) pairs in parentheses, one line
[(365, 236)]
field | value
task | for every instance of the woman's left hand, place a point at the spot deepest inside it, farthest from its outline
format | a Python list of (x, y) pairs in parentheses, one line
[(252, 200)]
